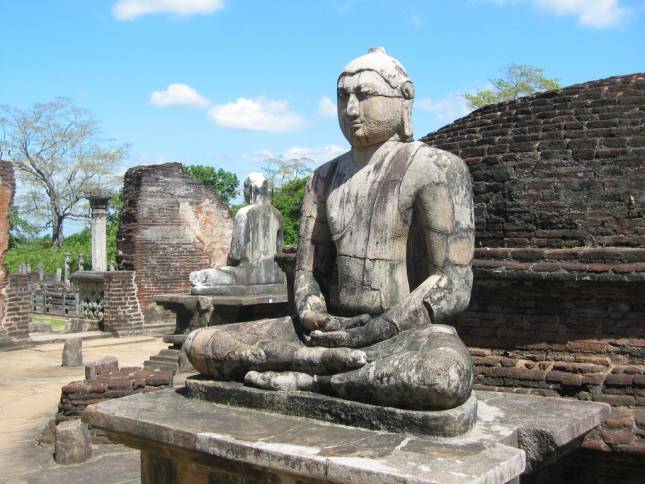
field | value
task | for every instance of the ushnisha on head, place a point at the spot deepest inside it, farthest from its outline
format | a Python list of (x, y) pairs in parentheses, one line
[(375, 100), (256, 188)]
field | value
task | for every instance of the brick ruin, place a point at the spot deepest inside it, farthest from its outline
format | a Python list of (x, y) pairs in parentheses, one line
[(14, 289), (558, 306), (170, 225)]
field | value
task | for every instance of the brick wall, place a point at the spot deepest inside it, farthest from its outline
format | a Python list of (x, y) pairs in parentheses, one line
[(559, 169), (107, 384), (558, 303), (7, 189), (17, 307), (170, 225), (122, 314)]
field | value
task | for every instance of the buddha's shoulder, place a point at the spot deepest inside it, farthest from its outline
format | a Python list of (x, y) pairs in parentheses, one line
[(433, 165)]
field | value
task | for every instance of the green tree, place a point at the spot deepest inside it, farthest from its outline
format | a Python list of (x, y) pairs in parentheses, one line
[(223, 182), (288, 200), (518, 80), (58, 154)]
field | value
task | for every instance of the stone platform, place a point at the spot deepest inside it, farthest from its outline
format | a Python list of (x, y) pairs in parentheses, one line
[(444, 423), (190, 440)]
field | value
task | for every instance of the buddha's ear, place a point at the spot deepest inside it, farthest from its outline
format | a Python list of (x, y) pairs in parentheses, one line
[(407, 91), (407, 129)]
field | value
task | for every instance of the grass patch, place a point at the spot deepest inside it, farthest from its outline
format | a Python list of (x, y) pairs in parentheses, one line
[(55, 323)]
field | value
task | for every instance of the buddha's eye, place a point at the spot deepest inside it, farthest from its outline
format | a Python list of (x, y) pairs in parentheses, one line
[(342, 94)]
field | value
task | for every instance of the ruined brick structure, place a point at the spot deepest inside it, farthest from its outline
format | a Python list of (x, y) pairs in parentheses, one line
[(558, 305), (122, 316), (170, 225), (7, 188), (109, 382), (14, 290)]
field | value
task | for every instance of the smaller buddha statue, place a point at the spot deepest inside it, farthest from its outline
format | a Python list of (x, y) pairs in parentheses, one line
[(257, 237)]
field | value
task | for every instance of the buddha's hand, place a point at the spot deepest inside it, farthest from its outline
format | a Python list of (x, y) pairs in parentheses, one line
[(377, 329), (324, 322)]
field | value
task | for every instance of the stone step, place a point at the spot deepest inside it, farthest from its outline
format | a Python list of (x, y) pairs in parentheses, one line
[(169, 353), (162, 365)]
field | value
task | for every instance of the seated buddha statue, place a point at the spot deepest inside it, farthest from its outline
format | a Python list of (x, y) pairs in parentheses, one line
[(383, 266), (257, 237)]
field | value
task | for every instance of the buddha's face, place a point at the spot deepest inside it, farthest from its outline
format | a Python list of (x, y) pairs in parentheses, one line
[(369, 110)]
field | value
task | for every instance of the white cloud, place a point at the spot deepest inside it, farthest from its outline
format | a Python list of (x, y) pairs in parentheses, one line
[(258, 114), (445, 109), (326, 108), (178, 95), (317, 154), (131, 9), (590, 13)]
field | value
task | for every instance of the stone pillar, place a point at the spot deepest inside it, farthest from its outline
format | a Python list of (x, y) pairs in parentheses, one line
[(99, 204)]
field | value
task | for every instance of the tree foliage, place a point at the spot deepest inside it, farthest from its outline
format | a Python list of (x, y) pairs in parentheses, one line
[(280, 171), (58, 154), (518, 80), (223, 182), (288, 200)]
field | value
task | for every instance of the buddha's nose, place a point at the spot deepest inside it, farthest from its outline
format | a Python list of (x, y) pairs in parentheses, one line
[(352, 106)]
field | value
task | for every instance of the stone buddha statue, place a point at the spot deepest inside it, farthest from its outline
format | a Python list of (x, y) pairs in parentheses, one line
[(257, 237), (383, 263)]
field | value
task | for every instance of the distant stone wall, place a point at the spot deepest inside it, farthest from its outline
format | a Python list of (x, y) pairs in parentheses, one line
[(170, 225), (558, 303), (559, 169), (7, 189), (122, 314)]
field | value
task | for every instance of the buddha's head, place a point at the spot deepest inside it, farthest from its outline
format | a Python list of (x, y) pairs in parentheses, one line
[(375, 100), (256, 188)]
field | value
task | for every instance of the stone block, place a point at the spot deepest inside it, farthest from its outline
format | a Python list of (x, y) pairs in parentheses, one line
[(93, 368), (73, 352), (72, 442)]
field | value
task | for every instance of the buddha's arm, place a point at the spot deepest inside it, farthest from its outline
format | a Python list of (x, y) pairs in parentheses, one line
[(445, 208), (313, 247), (237, 241)]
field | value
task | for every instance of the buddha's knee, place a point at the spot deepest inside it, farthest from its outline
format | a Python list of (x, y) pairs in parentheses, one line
[(444, 372), (216, 352)]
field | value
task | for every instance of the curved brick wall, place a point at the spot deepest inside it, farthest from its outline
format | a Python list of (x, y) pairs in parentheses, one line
[(170, 225), (558, 302), (559, 169)]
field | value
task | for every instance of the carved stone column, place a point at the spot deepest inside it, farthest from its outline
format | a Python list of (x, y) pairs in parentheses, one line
[(99, 205)]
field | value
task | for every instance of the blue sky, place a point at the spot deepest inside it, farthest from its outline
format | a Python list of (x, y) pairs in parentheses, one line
[(230, 82)]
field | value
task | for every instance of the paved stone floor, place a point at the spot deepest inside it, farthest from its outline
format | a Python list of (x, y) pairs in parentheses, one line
[(29, 393)]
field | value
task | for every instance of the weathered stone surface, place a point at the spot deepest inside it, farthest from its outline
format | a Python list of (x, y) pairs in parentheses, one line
[(93, 368), (72, 442), (167, 423), (386, 243), (73, 352), (442, 423), (171, 225), (257, 237)]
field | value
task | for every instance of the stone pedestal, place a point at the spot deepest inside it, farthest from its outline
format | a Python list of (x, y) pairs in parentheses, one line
[(190, 440), (195, 311), (91, 295)]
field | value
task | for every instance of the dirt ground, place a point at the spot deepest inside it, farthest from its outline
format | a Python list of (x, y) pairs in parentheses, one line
[(29, 394)]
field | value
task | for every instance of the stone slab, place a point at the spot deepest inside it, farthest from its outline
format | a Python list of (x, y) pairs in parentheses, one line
[(190, 300), (512, 433), (241, 291), (445, 423)]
